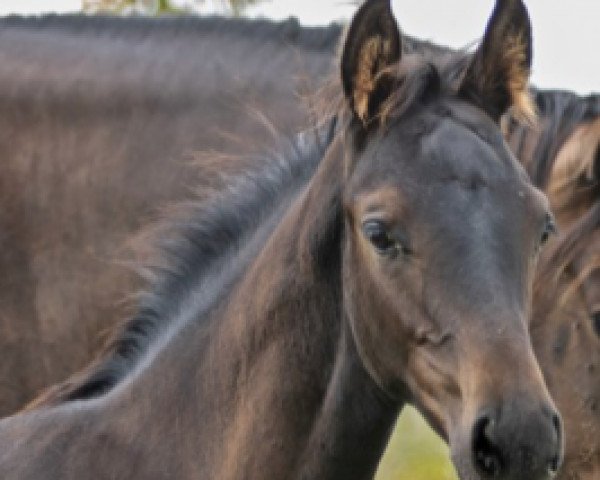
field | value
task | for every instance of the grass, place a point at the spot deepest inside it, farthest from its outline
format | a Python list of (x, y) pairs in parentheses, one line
[(415, 452)]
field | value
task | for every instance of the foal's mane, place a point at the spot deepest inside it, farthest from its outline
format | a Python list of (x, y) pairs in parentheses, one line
[(427, 69), (236, 195)]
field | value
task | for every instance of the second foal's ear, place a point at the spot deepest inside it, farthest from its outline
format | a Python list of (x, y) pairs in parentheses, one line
[(498, 75), (372, 45)]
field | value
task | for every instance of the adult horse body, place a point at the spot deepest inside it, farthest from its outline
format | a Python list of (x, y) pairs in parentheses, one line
[(95, 117), (313, 296), (562, 156)]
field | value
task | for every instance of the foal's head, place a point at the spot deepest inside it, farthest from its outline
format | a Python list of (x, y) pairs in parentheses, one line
[(443, 229)]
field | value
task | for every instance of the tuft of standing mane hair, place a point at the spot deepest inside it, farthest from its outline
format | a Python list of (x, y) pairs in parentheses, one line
[(426, 69), (419, 77), (192, 243)]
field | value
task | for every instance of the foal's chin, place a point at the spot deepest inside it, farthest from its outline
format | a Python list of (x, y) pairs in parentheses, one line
[(465, 469)]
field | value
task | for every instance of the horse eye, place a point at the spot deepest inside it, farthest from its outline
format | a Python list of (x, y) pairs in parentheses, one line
[(377, 233), (596, 322)]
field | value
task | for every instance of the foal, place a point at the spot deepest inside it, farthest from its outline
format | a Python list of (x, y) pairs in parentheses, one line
[(311, 297)]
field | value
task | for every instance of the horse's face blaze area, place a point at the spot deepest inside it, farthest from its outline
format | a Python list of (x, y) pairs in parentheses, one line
[(442, 234)]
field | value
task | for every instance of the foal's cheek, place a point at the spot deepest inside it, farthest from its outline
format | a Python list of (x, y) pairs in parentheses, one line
[(374, 326)]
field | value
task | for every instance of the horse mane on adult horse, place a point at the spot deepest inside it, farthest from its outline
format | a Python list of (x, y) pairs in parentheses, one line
[(561, 113), (318, 293), (562, 155)]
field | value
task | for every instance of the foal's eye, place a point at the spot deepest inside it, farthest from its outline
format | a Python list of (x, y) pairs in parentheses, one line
[(377, 233)]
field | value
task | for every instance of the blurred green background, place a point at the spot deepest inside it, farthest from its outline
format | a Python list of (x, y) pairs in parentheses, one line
[(415, 452)]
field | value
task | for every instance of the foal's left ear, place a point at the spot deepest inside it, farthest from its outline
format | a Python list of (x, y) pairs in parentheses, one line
[(372, 45), (498, 75)]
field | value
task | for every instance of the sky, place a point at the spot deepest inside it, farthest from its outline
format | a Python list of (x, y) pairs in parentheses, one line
[(566, 33)]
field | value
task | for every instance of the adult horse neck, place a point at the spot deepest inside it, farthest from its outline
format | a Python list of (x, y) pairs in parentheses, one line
[(308, 302)]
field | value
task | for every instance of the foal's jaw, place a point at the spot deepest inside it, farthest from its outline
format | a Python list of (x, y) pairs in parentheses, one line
[(463, 241)]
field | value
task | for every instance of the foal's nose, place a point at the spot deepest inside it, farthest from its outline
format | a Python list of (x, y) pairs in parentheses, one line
[(516, 442)]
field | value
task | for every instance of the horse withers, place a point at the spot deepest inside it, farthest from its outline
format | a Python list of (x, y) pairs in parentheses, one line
[(312, 296)]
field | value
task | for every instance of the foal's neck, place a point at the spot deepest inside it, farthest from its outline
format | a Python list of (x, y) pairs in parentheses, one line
[(323, 414), (275, 388), (351, 430)]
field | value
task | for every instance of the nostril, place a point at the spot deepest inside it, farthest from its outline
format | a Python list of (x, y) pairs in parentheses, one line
[(556, 460), (554, 466), (557, 428), (487, 454)]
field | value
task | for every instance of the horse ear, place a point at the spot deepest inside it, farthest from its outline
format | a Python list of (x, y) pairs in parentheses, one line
[(498, 75), (372, 45)]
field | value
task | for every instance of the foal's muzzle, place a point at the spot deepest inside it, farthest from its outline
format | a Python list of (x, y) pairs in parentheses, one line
[(518, 442)]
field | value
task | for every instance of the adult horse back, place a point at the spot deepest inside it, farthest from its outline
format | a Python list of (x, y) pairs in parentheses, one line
[(314, 295), (95, 117)]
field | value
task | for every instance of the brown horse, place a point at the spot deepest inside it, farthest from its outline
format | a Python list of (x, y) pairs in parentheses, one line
[(563, 156), (95, 117), (313, 295)]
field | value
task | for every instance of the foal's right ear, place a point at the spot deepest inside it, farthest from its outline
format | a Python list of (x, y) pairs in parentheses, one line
[(498, 75), (372, 45)]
